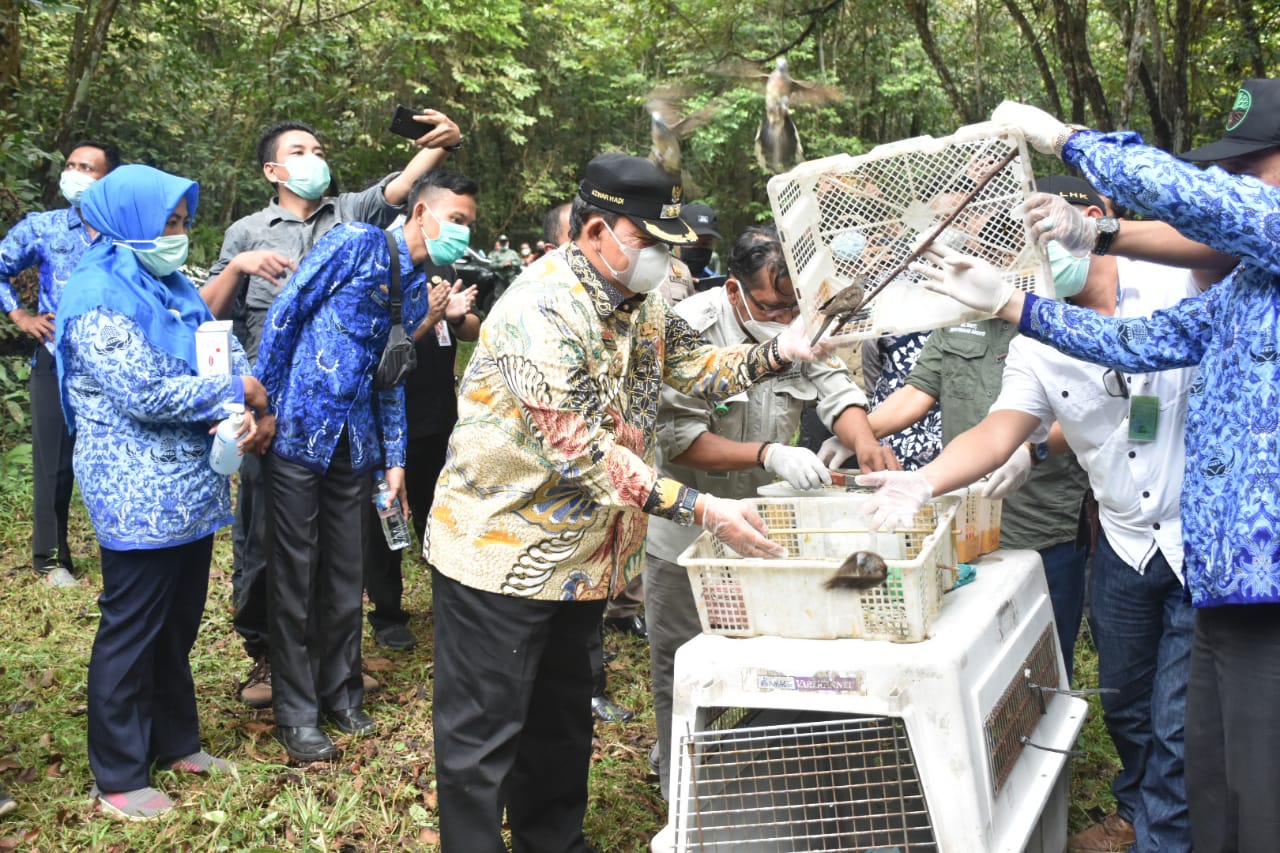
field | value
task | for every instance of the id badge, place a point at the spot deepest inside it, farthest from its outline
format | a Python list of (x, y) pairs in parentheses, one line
[(1144, 417), (442, 333)]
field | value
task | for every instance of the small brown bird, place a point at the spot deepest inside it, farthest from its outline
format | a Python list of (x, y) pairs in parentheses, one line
[(860, 570), (667, 127), (778, 145)]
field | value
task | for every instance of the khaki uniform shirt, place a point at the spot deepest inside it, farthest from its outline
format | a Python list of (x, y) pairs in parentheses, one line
[(767, 411), (550, 468), (961, 367)]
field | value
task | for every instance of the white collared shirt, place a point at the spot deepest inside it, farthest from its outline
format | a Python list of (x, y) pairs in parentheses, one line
[(1138, 484)]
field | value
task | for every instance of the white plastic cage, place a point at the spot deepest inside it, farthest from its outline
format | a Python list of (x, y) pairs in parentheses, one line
[(949, 746), (846, 220)]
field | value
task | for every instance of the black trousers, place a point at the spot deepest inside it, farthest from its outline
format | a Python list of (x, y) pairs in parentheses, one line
[(51, 474), (314, 586), (249, 558), (142, 700), (383, 578), (1233, 729), (512, 719)]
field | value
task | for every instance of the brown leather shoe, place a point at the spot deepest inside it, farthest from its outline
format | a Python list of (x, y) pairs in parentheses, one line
[(1112, 834), (255, 690)]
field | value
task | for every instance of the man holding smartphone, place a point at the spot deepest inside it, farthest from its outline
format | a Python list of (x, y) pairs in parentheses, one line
[(258, 254)]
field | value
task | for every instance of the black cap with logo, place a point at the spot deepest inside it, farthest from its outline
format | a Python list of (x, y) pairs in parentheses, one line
[(641, 191), (1075, 190), (1252, 125), (703, 219)]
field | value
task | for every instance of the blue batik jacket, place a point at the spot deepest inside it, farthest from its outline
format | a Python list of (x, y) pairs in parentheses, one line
[(320, 349), (1231, 486), (142, 434), (55, 240)]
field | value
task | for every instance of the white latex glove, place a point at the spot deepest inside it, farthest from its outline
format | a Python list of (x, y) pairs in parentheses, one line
[(1010, 476), (1052, 217), (966, 279), (738, 525), (793, 343), (1041, 129), (797, 465), (898, 497), (833, 452)]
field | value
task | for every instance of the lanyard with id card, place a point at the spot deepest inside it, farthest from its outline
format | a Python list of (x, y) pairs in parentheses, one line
[(1144, 417)]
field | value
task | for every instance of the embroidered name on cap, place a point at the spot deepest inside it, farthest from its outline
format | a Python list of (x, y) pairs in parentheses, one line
[(609, 198)]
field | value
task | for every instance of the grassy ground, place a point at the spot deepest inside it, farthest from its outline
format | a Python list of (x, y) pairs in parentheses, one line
[(379, 796)]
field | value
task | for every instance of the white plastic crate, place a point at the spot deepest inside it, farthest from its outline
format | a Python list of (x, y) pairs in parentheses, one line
[(846, 219), (974, 532), (747, 597), (944, 746)]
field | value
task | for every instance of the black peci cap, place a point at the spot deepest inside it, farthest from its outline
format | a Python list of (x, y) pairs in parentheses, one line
[(1252, 125), (641, 191), (703, 219), (1075, 190)]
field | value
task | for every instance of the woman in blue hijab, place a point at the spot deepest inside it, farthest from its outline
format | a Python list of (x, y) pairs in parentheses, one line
[(126, 359)]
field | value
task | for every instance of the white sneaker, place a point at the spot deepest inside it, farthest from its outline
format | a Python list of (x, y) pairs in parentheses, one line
[(60, 577)]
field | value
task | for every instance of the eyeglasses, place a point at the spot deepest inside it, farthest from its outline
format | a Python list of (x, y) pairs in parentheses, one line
[(773, 312), (1115, 384)]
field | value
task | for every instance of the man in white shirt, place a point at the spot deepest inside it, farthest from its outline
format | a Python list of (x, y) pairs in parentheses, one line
[(1127, 433)]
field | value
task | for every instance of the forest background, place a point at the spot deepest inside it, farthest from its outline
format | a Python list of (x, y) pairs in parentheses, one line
[(538, 89)]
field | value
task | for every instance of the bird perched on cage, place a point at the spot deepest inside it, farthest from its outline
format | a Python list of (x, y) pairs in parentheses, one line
[(778, 146), (667, 127)]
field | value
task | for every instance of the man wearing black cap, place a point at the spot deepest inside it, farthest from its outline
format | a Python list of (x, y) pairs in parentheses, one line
[(542, 508), (698, 256), (1231, 504)]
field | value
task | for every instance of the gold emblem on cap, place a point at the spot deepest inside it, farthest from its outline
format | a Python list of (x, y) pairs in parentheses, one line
[(670, 211), (676, 192)]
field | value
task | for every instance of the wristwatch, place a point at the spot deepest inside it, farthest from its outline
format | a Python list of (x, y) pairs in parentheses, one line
[(1068, 130), (684, 509), (1108, 228), (1039, 452)]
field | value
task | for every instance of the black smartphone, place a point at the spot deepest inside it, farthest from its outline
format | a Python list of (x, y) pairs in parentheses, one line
[(402, 123)]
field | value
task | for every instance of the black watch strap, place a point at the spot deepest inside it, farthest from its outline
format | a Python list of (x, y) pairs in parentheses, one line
[(1108, 228)]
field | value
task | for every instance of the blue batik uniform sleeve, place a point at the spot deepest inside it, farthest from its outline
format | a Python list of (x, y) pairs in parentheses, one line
[(1235, 214), (325, 268), (393, 426), (19, 251), (1175, 337), (117, 355)]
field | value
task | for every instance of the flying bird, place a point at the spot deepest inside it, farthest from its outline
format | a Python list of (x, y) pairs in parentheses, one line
[(668, 127), (778, 145)]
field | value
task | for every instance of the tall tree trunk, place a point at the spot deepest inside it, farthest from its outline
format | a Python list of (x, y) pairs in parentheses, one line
[(10, 63), (1037, 54), (1083, 86), (1136, 26), (919, 10), (86, 51), (1251, 38)]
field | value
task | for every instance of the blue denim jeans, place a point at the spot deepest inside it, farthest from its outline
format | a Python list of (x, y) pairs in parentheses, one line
[(1143, 627), (1064, 572)]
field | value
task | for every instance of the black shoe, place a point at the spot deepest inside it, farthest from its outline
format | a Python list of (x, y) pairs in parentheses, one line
[(306, 743), (607, 712), (351, 721), (633, 625), (396, 637)]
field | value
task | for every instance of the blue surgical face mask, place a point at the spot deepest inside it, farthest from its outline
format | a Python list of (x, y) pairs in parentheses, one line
[(73, 183), (452, 242), (308, 175), (1069, 272), (169, 253)]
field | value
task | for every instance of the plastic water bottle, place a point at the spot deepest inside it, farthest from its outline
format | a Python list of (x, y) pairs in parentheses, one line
[(395, 527), (224, 455)]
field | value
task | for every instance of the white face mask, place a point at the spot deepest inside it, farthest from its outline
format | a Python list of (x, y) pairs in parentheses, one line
[(646, 268), (73, 184), (759, 330)]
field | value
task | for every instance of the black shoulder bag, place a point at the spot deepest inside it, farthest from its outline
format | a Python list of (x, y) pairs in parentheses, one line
[(398, 356)]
